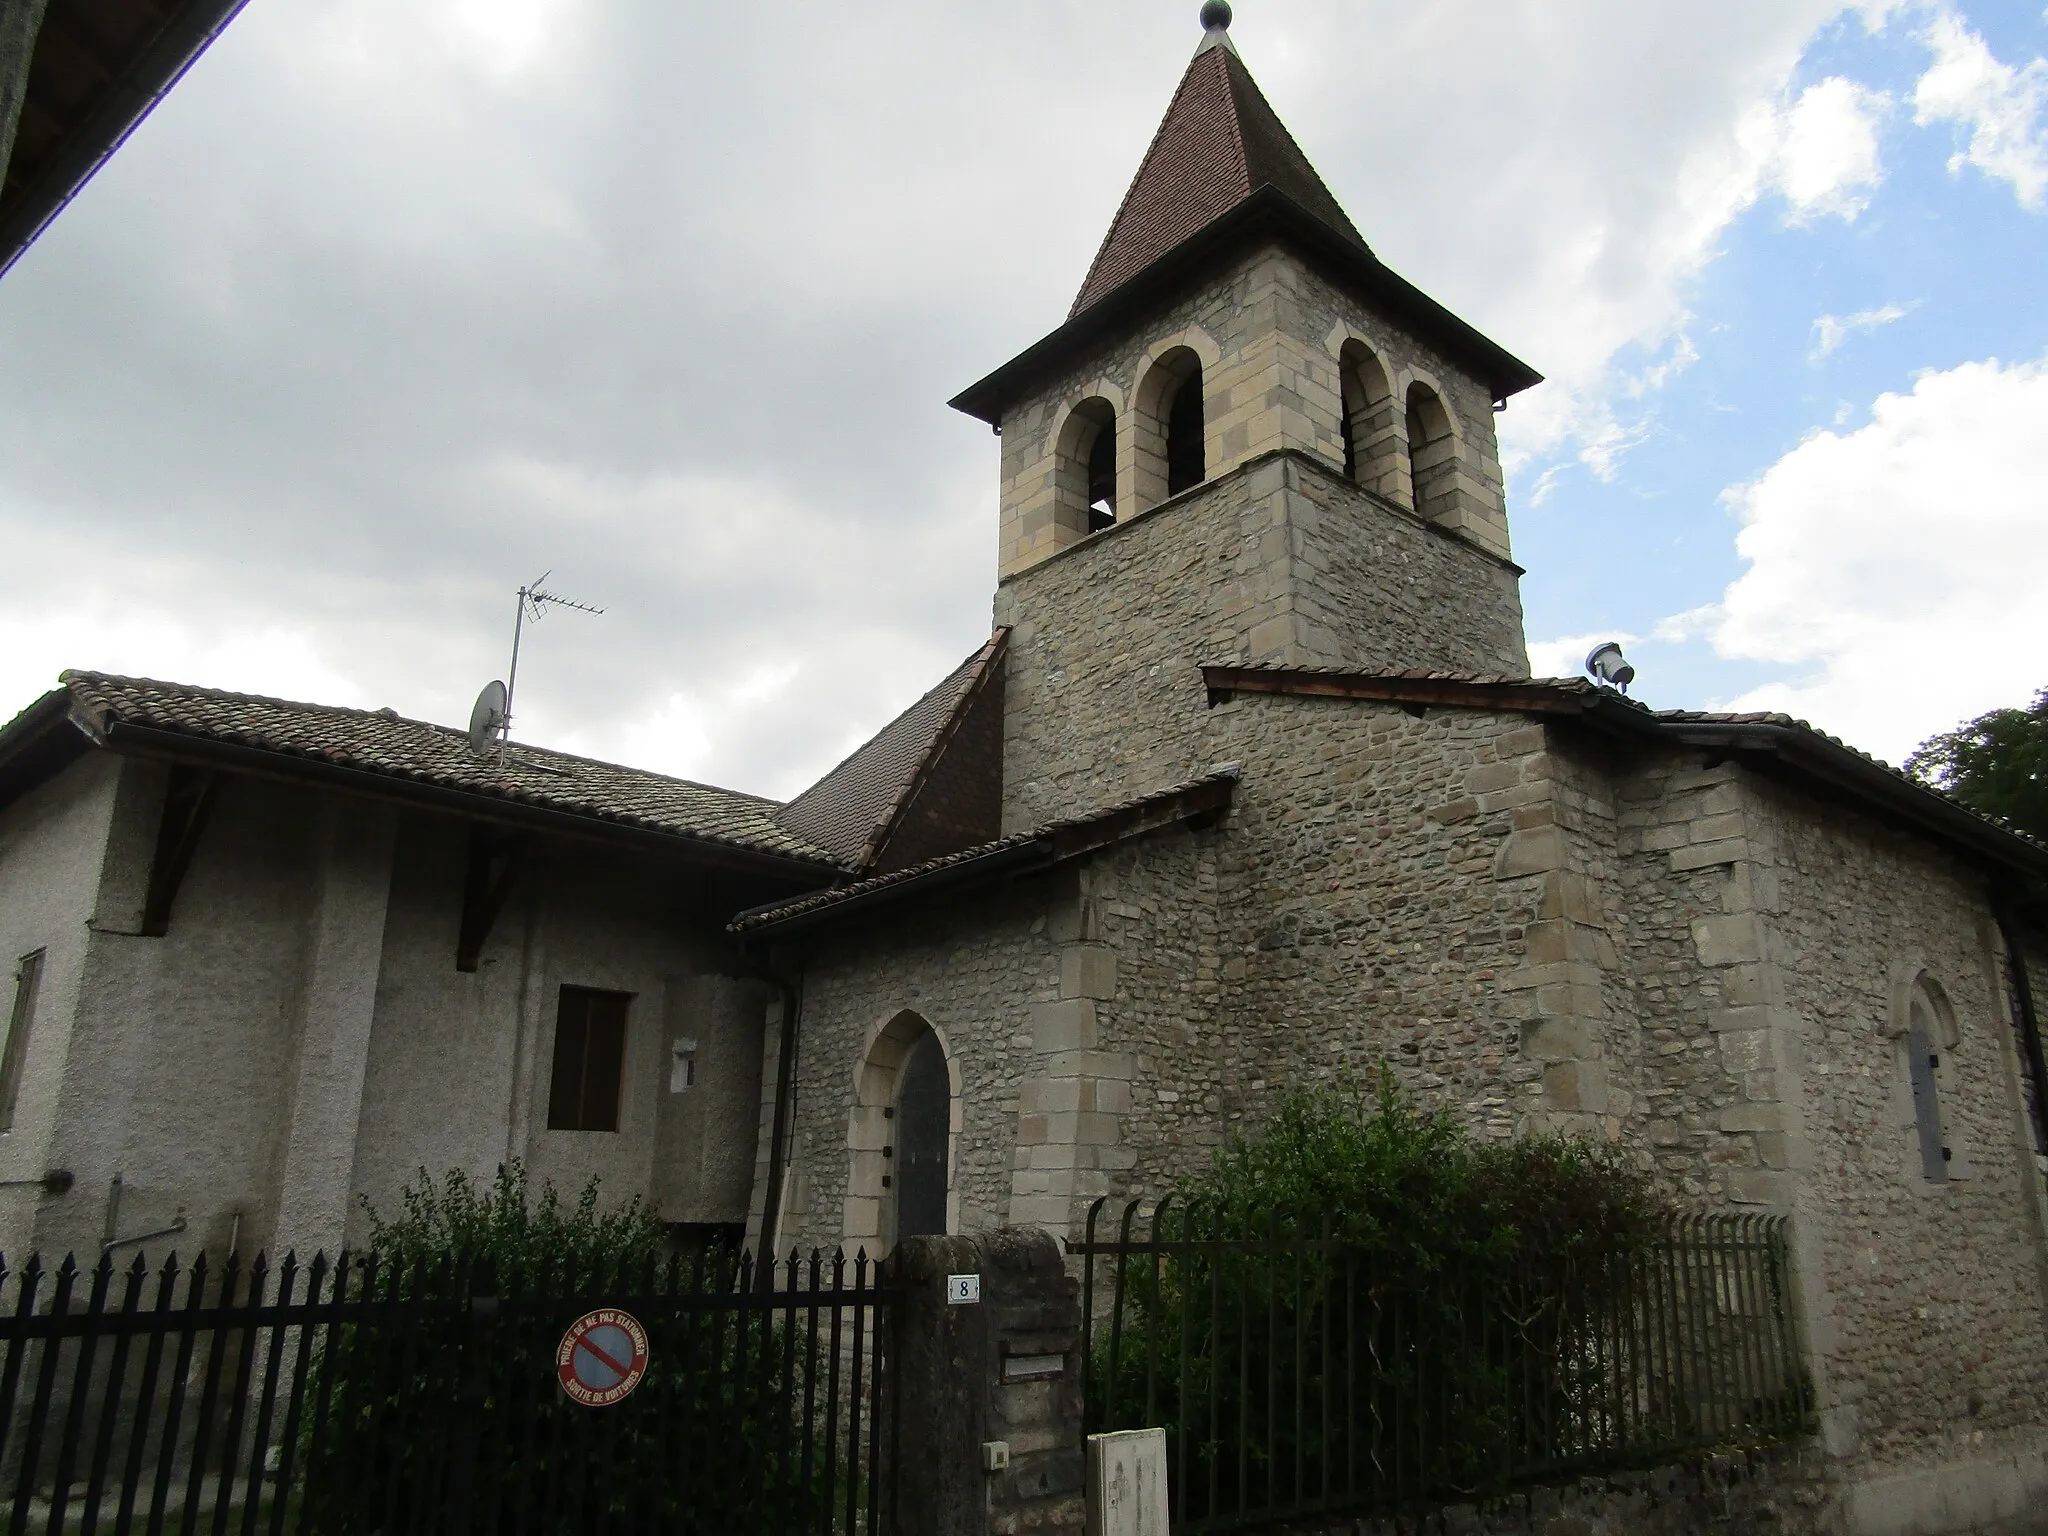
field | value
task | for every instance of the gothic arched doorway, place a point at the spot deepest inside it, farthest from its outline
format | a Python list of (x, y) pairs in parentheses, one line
[(924, 1111)]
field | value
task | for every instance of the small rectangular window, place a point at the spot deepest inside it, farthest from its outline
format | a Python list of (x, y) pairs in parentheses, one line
[(28, 978), (590, 1060)]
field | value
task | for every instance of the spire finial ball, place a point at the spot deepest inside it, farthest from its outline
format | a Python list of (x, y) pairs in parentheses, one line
[(1216, 16)]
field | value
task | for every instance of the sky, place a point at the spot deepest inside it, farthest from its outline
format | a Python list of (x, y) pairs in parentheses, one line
[(395, 304)]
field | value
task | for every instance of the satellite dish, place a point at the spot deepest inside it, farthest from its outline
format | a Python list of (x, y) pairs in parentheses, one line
[(1608, 665), (487, 717)]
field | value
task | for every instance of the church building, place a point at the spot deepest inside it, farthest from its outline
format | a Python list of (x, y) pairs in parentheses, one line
[(1249, 787)]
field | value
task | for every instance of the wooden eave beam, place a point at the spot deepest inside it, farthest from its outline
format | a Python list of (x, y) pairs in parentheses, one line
[(188, 802), (497, 862)]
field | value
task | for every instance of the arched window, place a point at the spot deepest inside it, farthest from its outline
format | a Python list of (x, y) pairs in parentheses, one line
[(1168, 424), (1432, 448), (1085, 471), (1928, 1043), (1185, 459), (1372, 448), (924, 1104)]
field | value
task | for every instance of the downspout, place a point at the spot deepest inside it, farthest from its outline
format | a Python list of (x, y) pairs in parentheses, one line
[(2030, 1023), (778, 1158)]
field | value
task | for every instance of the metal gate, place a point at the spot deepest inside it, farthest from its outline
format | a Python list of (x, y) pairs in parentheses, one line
[(367, 1397)]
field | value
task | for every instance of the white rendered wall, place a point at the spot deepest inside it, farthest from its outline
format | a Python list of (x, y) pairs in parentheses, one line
[(301, 1037), (51, 843)]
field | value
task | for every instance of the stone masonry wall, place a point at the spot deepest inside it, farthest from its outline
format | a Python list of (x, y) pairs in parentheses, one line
[(1077, 1012), (972, 969), (1935, 1353), (1378, 900), (1279, 561), (1380, 590)]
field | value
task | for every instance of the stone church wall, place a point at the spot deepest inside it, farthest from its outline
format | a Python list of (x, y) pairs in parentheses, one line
[(1280, 561), (1935, 1349), (972, 969), (1373, 903), (1380, 590), (53, 842)]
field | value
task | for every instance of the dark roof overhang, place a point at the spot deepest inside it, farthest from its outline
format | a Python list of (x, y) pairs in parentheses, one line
[(39, 743), (1268, 215), (90, 85), (1195, 803), (1777, 744)]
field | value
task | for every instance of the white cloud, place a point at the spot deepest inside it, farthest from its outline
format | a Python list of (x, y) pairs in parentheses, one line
[(1817, 151), (394, 302), (1899, 569), (1830, 331), (2001, 108), (1820, 152)]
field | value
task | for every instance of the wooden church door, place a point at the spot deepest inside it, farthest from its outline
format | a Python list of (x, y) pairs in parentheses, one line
[(923, 1120)]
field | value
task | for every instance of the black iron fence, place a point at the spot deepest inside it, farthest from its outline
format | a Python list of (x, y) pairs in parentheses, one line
[(386, 1397), (1296, 1374)]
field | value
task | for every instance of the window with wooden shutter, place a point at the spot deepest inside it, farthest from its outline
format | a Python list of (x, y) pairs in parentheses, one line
[(28, 978), (590, 1060)]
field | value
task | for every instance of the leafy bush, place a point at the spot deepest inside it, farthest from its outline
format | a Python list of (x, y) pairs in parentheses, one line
[(431, 1391), (1373, 1305), (1421, 1192), (504, 1224)]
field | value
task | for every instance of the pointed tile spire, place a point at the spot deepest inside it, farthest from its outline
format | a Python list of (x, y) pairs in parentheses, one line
[(1220, 142)]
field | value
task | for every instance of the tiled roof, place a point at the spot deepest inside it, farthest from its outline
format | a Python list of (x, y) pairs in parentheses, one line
[(851, 810), (1127, 818), (1219, 142), (383, 743), (1582, 695)]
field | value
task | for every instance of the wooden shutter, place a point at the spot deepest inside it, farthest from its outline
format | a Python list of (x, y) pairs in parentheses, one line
[(1926, 1107), (590, 1060)]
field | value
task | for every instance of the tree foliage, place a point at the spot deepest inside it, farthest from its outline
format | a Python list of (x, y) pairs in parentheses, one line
[(1996, 763)]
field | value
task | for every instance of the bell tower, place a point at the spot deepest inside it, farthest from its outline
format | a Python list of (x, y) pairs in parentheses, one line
[(1250, 441)]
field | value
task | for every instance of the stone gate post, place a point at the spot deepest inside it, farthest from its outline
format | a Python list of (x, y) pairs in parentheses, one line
[(991, 1388)]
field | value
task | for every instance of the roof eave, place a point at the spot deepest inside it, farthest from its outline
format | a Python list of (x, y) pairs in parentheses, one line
[(1267, 213), (1800, 749), (39, 743), (179, 746), (1194, 804), (1813, 755), (123, 105)]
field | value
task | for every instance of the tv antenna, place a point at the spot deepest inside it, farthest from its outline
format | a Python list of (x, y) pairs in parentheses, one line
[(490, 720)]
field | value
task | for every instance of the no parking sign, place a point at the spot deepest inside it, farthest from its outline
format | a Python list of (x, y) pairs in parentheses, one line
[(602, 1357)]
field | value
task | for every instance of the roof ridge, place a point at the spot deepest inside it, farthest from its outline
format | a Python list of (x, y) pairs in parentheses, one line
[(856, 752)]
